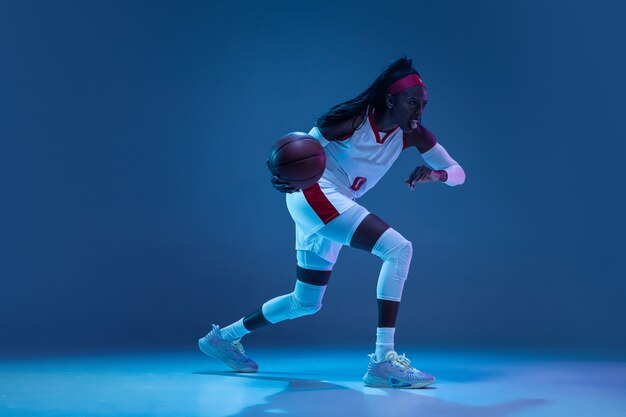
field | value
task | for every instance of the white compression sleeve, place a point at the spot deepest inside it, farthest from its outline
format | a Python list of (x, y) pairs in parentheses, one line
[(306, 299), (396, 252), (438, 158), (315, 132)]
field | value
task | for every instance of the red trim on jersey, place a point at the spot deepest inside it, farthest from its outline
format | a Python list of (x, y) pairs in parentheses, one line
[(358, 183), (376, 132), (320, 203), (388, 134), (344, 137), (405, 141)]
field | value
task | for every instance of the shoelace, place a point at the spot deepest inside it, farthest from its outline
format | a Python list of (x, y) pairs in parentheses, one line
[(402, 361), (239, 347)]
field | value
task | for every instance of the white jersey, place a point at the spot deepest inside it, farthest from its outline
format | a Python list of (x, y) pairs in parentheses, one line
[(354, 164), (359, 161)]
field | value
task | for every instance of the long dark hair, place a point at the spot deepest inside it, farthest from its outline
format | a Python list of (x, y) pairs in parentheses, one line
[(373, 96)]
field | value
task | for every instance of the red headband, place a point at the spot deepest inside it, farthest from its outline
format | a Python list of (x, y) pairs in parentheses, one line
[(403, 83)]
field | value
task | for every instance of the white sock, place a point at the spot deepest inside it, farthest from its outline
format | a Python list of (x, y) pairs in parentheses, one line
[(384, 341), (235, 331)]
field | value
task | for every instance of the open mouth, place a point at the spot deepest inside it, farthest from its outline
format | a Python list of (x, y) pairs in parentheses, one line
[(414, 123)]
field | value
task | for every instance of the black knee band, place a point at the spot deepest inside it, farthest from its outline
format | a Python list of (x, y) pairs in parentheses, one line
[(312, 277), (387, 313), (255, 320)]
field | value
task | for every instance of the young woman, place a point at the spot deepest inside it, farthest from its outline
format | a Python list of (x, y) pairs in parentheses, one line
[(362, 138)]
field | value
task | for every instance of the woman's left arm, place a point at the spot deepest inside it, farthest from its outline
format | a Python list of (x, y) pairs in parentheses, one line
[(442, 168)]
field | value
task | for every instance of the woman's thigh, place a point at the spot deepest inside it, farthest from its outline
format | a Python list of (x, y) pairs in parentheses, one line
[(342, 228)]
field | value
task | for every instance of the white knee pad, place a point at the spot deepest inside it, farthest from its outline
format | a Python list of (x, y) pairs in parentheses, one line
[(396, 252), (305, 300)]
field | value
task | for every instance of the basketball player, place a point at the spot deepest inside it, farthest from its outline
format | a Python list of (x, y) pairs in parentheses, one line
[(362, 137)]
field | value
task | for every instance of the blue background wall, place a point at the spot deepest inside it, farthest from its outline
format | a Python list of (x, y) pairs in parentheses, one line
[(136, 208)]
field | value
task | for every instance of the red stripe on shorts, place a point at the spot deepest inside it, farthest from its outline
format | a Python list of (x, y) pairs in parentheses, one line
[(320, 203)]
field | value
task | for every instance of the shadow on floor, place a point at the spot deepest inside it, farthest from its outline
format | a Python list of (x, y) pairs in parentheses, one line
[(313, 397)]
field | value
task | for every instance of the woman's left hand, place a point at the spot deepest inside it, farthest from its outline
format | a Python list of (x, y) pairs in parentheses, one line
[(423, 174)]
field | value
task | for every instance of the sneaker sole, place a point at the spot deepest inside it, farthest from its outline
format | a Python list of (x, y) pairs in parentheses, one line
[(205, 347), (371, 381)]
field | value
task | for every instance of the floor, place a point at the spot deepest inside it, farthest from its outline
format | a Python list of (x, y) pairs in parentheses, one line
[(298, 382)]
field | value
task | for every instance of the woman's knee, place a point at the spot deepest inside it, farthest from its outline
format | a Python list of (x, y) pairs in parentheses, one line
[(392, 245), (395, 252), (306, 299)]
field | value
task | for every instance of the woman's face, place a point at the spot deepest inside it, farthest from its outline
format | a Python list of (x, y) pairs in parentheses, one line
[(408, 106)]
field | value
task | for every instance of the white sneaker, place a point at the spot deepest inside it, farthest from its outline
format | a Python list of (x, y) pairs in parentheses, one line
[(229, 352), (395, 372)]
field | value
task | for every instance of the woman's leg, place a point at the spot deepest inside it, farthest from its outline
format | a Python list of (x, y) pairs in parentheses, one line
[(386, 368), (357, 228), (372, 234), (313, 273)]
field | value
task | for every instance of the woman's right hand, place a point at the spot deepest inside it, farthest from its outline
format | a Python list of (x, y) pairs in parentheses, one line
[(280, 184)]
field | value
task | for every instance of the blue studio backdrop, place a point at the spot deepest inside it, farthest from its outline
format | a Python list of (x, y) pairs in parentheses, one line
[(136, 208)]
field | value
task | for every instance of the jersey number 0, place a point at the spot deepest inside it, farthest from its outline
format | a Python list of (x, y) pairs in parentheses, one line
[(358, 183)]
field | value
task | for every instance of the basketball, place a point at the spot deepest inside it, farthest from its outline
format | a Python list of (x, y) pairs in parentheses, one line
[(298, 159)]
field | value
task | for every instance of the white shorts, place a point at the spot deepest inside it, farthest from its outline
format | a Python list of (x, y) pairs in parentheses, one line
[(316, 207)]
